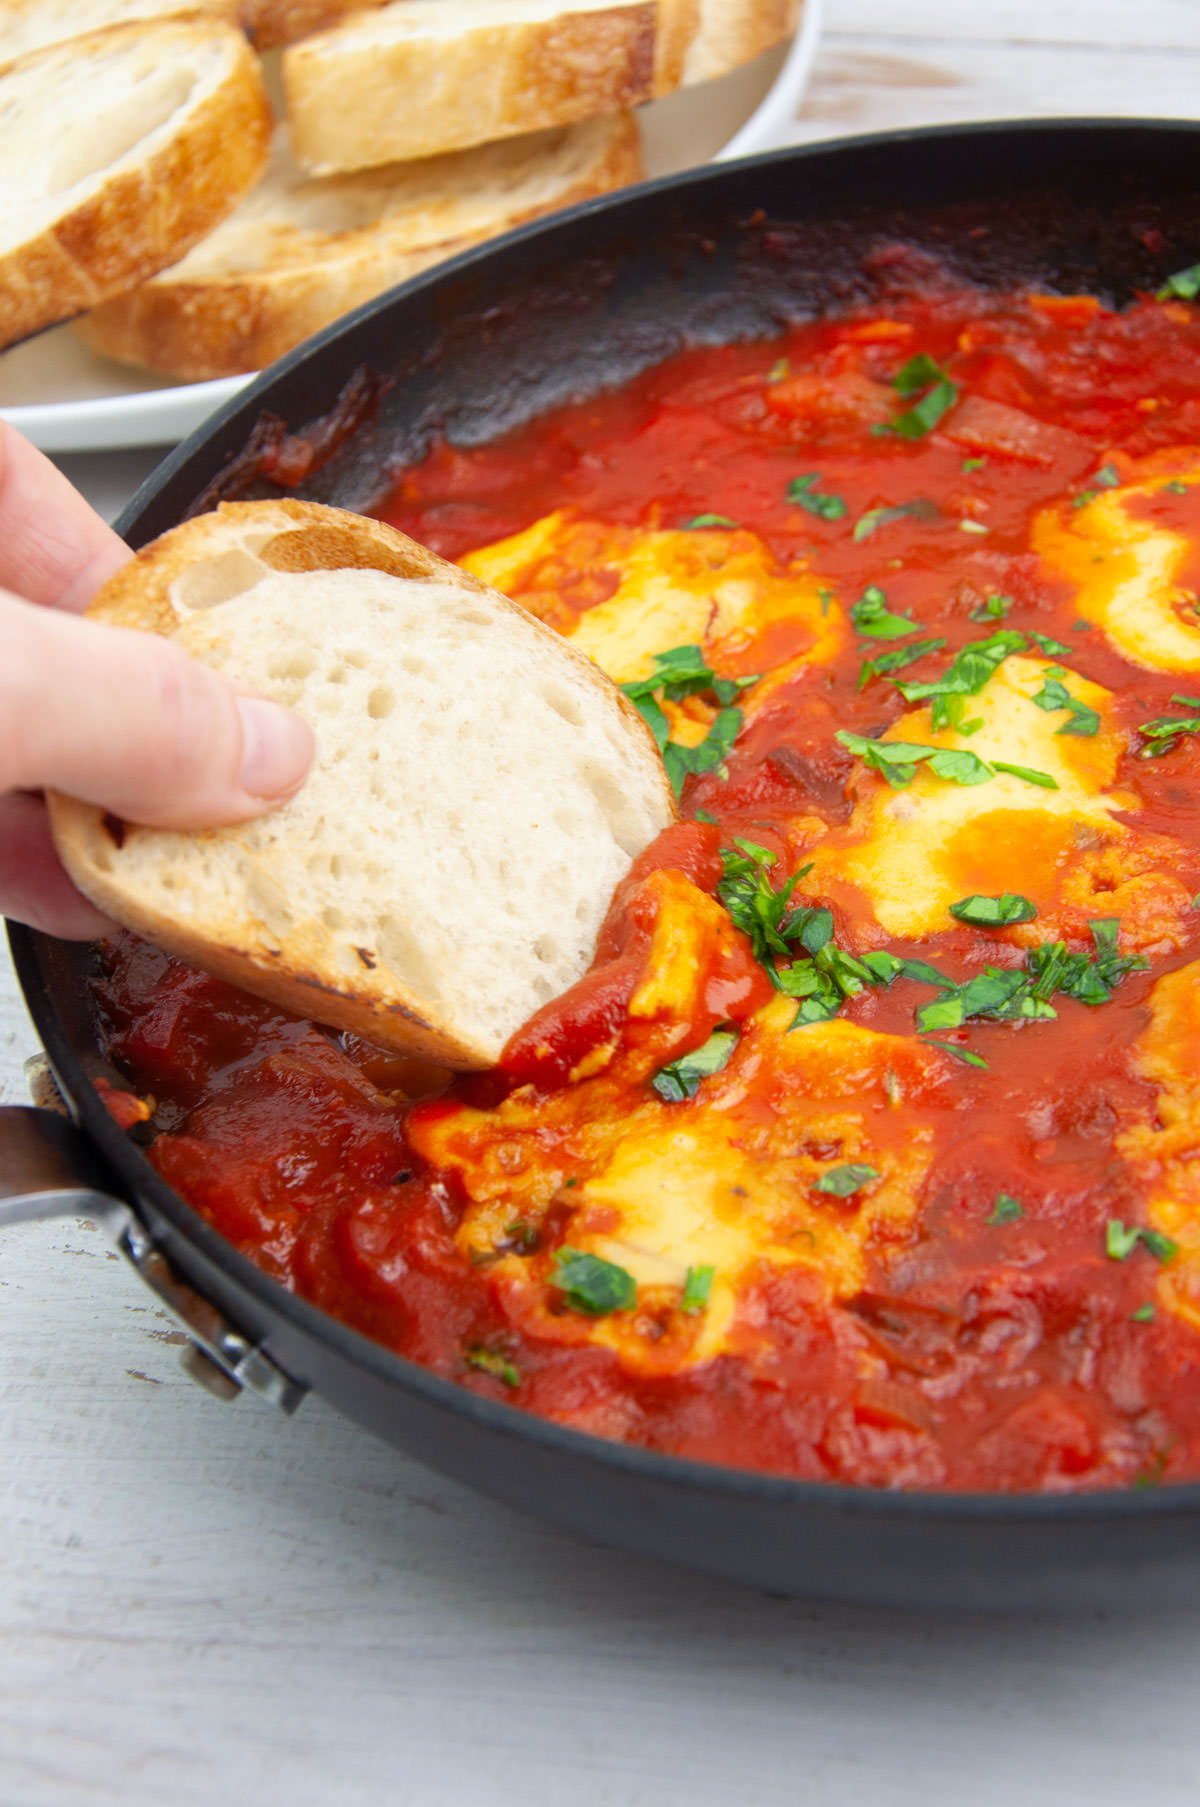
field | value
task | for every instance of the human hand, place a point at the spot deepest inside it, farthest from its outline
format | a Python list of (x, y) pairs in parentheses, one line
[(118, 718)]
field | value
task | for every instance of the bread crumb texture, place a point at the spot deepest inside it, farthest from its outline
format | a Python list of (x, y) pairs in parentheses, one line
[(131, 144), (299, 251), (479, 791)]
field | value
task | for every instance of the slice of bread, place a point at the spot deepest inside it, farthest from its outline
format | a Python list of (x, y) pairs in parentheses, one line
[(411, 78), (480, 787), (419, 77), (27, 25), (300, 251), (272, 23), (720, 35), (130, 145)]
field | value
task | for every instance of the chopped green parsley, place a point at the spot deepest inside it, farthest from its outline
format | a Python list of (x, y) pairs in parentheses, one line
[(924, 378), (795, 946), (826, 507), (842, 1181), (1121, 1239), (491, 1361), (709, 755), (1054, 695), (696, 1287), (1028, 773), (1163, 734), (994, 912), (966, 1055), (1054, 649), (1184, 285), (681, 1079), (897, 761), (683, 671), (592, 1285), (896, 659), (1107, 477), (872, 617), (1010, 994), (966, 675), (920, 509)]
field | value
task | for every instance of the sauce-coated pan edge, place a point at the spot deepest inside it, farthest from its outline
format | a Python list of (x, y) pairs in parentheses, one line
[(485, 342)]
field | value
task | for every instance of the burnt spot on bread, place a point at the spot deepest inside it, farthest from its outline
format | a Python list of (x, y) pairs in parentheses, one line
[(367, 958)]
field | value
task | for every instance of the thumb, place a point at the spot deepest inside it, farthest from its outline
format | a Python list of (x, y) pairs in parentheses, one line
[(125, 720)]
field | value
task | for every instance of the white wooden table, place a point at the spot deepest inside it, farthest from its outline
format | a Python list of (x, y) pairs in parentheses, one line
[(201, 1602)]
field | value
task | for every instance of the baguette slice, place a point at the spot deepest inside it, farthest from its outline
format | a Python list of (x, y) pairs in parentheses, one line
[(272, 23), (299, 251), (131, 144), (28, 25), (418, 77), (720, 35), (480, 787)]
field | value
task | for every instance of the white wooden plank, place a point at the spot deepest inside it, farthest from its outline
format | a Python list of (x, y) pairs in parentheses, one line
[(1166, 24), (195, 1597), (17, 1038), (897, 82)]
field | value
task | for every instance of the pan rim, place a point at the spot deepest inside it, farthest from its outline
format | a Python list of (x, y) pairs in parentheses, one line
[(1170, 1500)]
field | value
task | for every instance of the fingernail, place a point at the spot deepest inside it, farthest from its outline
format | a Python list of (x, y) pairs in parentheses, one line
[(277, 748)]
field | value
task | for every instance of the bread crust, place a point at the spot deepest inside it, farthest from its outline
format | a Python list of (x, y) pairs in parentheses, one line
[(727, 33), (273, 23), (196, 324), (148, 213), (356, 98), (27, 26), (301, 976)]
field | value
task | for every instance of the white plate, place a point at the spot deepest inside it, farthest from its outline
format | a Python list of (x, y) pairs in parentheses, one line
[(66, 399)]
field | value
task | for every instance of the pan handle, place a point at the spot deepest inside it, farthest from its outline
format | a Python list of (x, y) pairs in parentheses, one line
[(48, 1169)]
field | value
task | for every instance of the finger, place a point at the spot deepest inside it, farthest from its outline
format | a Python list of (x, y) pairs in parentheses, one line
[(127, 721), (33, 886), (54, 547)]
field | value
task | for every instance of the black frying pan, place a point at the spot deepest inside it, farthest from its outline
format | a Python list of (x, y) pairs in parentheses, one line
[(484, 343)]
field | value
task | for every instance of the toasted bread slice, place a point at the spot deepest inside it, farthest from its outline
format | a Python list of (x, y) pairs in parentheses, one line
[(719, 35), (272, 23), (417, 77), (300, 251), (480, 787), (131, 144), (27, 25)]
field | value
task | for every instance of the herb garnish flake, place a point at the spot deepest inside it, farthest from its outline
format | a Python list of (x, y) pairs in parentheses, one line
[(491, 1361), (592, 1285), (679, 672), (696, 1287), (1054, 695), (940, 394), (872, 617), (681, 1079), (802, 492), (847, 1179), (994, 912)]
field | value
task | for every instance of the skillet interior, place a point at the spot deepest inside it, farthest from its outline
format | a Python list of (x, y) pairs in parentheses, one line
[(482, 345)]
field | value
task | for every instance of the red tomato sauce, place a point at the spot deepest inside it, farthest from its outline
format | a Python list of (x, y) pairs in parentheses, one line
[(981, 1354)]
